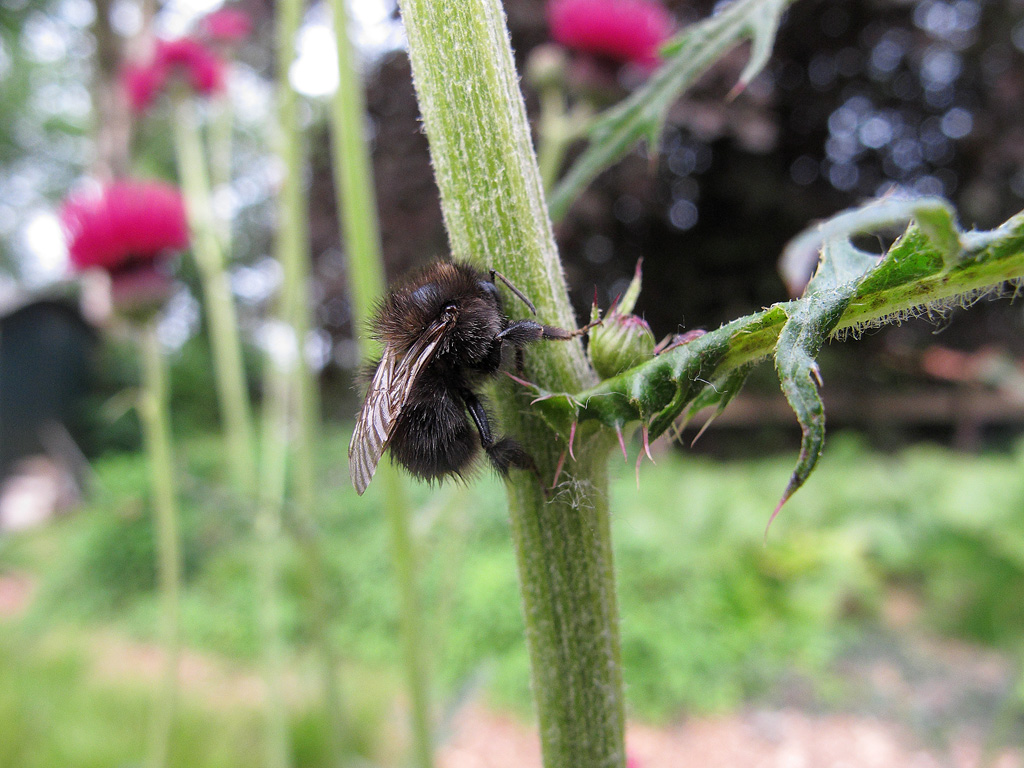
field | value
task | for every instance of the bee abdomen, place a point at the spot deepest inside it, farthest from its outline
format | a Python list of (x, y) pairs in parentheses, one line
[(433, 439)]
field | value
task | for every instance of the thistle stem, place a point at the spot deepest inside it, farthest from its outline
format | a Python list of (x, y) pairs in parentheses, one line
[(156, 432), (495, 213), (558, 127), (552, 139)]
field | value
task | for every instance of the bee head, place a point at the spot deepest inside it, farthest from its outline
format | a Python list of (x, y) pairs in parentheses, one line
[(488, 288)]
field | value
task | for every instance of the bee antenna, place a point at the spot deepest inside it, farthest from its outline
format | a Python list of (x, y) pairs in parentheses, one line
[(522, 296)]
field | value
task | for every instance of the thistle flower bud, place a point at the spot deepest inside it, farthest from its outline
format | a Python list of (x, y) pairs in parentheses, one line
[(546, 65), (619, 343), (623, 339)]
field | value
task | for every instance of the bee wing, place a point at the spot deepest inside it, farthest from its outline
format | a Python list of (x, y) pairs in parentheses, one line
[(387, 395)]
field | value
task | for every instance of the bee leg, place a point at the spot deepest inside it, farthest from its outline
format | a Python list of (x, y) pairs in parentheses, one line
[(526, 331), (504, 454), (519, 294)]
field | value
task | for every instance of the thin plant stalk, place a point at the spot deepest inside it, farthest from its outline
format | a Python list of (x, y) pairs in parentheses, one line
[(411, 624), (268, 527), (153, 410), (353, 184), (357, 213), (495, 214), (292, 250), (225, 341), (553, 139), (220, 140), (558, 127), (235, 406)]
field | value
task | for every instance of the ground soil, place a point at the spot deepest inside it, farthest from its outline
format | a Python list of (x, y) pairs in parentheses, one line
[(782, 738)]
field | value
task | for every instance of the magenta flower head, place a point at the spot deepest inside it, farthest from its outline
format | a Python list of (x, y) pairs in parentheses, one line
[(185, 60), (130, 229), (624, 31), (142, 84), (192, 61), (228, 25)]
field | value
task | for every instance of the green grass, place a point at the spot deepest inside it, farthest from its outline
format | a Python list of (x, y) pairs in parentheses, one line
[(53, 714), (58, 707), (711, 615)]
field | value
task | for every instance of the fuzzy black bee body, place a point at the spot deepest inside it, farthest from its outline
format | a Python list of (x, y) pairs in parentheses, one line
[(443, 335)]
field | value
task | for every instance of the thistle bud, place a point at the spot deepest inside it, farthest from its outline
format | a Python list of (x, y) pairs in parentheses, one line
[(545, 68), (619, 343), (623, 339)]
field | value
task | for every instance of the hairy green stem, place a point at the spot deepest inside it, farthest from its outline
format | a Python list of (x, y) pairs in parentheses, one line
[(153, 407), (357, 213), (225, 343), (495, 213)]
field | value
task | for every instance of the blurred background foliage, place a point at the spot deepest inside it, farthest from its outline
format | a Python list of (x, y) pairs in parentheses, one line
[(860, 97), (874, 554)]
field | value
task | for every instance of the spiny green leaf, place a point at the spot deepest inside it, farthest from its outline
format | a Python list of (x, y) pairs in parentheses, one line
[(828, 244), (762, 26), (810, 324), (719, 393), (936, 220), (687, 56), (932, 264), (833, 286)]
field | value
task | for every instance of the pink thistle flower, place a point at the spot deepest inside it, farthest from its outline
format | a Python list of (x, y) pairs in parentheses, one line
[(141, 83), (228, 25), (621, 30), (128, 228), (125, 223), (185, 59)]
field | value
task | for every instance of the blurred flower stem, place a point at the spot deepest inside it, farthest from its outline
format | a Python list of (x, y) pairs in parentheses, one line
[(225, 343), (357, 213), (220, 140), (153, 410), (553, 135), (268, 527), (249, 481), (558, 127), (292, 251), (496, 216)]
